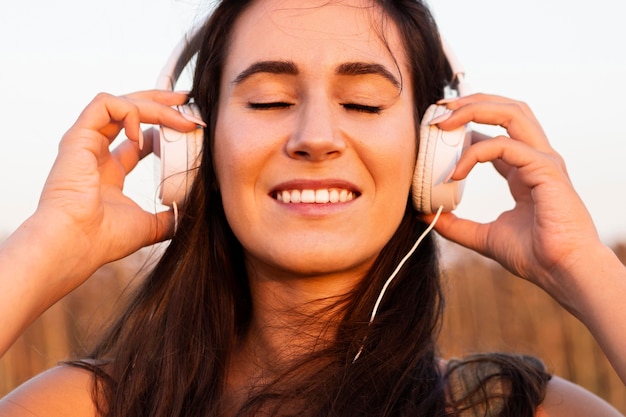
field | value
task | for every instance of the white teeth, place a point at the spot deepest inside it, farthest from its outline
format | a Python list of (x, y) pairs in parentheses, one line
[(322, 196), (343, 195), (308, 196)]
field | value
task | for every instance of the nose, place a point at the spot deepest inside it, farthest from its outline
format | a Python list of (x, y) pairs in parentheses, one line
[(316, 136)]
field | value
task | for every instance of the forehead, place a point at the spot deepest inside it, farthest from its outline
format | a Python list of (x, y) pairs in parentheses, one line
[(321, 32)]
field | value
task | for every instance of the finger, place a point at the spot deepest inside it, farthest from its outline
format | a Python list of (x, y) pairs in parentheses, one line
[(479, 137), (127, 154), (502, 168), (152, 112), (150, 135), (107, 114), (510, 116), (130, 110), (464, 232), (456, 103), (514, 116), (163, 227), (544, 167), (168, 98)]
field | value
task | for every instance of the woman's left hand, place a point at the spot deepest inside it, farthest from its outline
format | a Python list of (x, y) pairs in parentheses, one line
[(548, 237), (548, 232)]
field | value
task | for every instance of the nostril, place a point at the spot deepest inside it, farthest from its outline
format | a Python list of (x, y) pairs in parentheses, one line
[(314, 145)]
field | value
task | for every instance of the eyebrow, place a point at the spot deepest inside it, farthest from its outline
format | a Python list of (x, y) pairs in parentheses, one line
[(290, 68), (364, 68), (271, 67)]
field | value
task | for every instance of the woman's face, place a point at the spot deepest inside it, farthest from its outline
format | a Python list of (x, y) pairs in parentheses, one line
[(315, 137)]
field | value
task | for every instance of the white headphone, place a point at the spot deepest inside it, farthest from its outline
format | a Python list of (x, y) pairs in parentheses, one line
[(437, 155)]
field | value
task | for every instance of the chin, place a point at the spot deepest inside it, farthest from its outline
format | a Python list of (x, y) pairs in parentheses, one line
[(311, 264)]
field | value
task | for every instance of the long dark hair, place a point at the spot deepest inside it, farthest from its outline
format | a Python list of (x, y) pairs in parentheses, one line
[(167, 354)]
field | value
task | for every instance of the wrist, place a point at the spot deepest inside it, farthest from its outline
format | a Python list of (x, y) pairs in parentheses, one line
[(32, 276), (596, 299), (590, 281), (49, 253)]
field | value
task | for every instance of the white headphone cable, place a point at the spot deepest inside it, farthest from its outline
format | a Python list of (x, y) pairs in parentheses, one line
[(175, 208), (395, 272)]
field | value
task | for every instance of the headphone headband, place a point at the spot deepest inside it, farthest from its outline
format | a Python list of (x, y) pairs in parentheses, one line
[(457, 82), (176, 63)]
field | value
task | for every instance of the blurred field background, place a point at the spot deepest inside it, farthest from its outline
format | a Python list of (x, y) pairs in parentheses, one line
[(487, 310)]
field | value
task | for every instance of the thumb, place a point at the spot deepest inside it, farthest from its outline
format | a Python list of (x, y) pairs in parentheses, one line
[(163, 226)]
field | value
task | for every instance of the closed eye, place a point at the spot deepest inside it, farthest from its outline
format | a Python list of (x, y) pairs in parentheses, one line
[(362, 108), (269, 106)]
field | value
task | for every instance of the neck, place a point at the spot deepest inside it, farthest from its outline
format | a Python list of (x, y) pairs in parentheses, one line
[(292, 317), (296, 315)]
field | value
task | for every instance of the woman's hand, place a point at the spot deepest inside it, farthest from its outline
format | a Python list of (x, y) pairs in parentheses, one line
[(83, 219), (548, 233), (548, 237), (82, 197)]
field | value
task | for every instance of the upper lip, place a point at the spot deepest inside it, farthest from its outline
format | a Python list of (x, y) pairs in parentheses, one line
[(315, 184)]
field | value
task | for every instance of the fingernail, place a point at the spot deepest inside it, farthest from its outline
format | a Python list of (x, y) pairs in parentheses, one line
[(441, 118), (447, 100), (140, 139), (194, 119), (449, 177)]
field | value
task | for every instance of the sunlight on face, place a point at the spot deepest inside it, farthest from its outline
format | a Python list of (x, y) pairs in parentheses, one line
[(315, 139)]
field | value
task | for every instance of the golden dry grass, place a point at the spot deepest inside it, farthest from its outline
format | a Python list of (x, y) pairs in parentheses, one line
[(487, 310)]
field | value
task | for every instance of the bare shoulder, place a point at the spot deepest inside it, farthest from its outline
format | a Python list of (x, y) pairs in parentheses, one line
[(61, 391), (565, 399)]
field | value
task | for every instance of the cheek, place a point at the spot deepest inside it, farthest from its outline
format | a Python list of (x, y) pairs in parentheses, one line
[(240, 158), (393, 184), (230, 168), (243, 146), (236, 154), (392, 162), (233, 178)]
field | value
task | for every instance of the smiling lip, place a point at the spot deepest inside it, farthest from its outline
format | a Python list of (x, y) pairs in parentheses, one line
[(315, 192)]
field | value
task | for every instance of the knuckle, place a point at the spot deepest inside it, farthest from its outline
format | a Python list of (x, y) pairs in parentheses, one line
[(521, 103), (557, 159), (102, 96), (518, 106)]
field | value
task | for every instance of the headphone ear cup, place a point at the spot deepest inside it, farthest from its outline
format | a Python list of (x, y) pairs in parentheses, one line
[(179, 155), (437, 155), (422, 175)]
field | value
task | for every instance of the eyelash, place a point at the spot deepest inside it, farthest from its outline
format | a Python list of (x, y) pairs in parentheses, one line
[(269, 106), (361, 108)]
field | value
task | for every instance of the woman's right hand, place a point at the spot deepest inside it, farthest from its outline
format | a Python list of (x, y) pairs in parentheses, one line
[(82, 199), (83, 219)]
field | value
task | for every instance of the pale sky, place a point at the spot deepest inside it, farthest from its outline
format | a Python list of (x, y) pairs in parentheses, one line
[(564, 58)]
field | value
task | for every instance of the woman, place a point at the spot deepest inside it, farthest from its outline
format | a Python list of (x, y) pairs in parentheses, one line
[(261, 306)]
